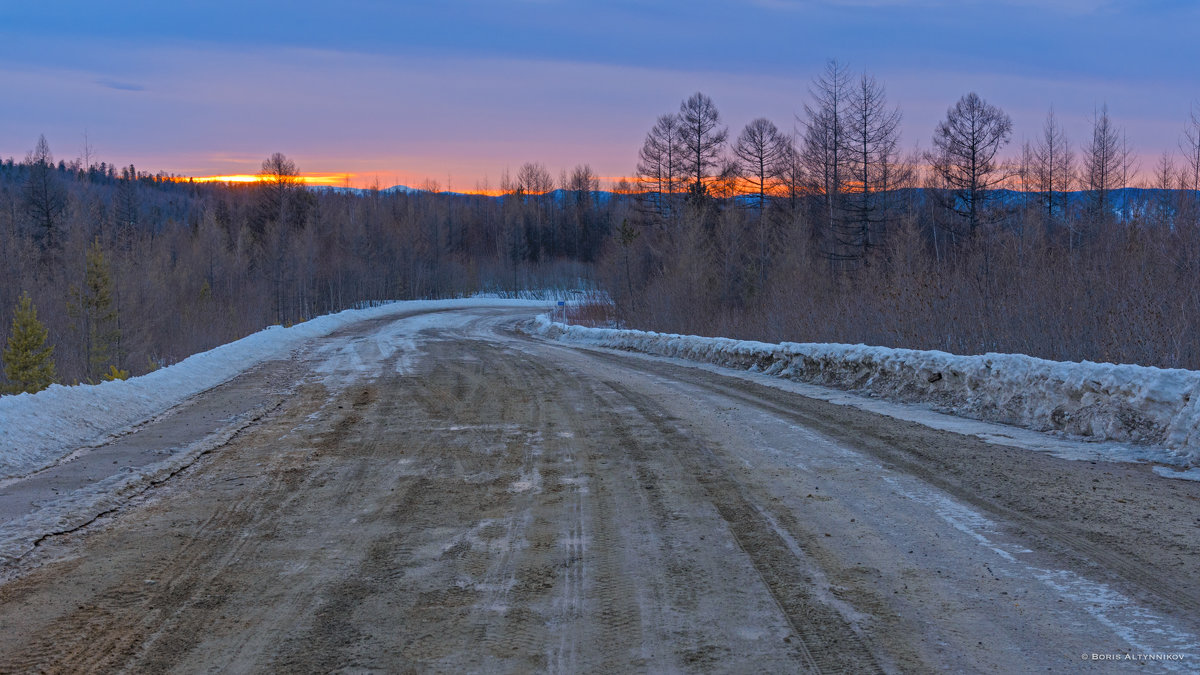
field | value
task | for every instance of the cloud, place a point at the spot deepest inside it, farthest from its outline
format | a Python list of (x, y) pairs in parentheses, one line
[(120, 86)]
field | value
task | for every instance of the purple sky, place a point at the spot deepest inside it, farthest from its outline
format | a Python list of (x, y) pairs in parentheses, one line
[(458, 91)]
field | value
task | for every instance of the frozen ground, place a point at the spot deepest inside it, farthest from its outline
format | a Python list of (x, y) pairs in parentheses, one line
[(1138, 413)]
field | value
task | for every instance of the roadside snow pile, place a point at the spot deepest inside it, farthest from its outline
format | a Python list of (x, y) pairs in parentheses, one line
[(38, 429), (1101, 401)]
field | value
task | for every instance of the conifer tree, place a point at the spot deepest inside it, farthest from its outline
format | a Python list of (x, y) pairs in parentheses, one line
[(94, 305), (27, 358)]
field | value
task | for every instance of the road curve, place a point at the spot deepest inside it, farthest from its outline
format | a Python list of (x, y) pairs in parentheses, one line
[(443, 493)]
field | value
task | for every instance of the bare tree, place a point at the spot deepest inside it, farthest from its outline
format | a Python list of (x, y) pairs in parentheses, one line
[(792, 172), (823, 151), (703, 139), (760, 151), (535, 185), (279, 213), (1102, 165), (660, 162), (279, 185), (965, 158), (1052, 167), (279, 173), (1163, 205), (763, 157), (1129, 169), (534, 179), (1190, 145), (872, 135), (582, 186)]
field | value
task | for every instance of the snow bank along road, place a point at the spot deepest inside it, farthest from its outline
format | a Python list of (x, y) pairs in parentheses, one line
[(440, 492)]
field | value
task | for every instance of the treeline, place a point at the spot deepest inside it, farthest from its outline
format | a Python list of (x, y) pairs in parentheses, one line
[(129, 271), (832, 233), (829, 232)]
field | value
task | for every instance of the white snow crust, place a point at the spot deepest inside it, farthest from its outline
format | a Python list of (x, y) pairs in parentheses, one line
[(39, 429), (1154, 407)]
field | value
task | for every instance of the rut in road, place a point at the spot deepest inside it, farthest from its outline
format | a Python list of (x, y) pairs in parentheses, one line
[(486, 511), (1045, 498)]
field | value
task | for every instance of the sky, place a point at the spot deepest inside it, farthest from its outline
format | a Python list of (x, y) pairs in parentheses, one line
[(461, 91)]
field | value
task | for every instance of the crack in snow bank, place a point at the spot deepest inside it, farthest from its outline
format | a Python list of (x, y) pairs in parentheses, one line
[(39, 429), (1100, 401)]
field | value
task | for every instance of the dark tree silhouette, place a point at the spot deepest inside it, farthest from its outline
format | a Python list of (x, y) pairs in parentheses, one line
[(703, 141), (45, 198), (965, 158)]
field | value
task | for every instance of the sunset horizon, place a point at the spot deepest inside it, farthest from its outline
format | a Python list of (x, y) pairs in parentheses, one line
[(460, 95)]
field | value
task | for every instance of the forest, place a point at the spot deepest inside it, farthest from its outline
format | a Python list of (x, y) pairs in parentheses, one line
[(820, 229)]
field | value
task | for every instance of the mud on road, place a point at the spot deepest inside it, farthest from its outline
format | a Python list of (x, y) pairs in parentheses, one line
[(480, 501)]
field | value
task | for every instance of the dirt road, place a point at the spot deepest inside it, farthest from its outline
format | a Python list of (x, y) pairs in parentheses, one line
[(445, 494)]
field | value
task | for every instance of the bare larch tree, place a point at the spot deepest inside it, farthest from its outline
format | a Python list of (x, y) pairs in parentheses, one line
[(1052, 168), (1102, 166), (872, 134), (760, 151), (965, 159), (823, 151), (660, 163), (703, 140)]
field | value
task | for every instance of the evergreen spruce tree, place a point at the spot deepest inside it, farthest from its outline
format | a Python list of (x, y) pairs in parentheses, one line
[(94, 304), (27, 358)]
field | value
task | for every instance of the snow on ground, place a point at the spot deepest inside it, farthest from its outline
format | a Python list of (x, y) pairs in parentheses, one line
[(1156, 409), (37, 430)]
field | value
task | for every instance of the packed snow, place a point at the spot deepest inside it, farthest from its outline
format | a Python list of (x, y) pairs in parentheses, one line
[(1156, 409), (39, 429)]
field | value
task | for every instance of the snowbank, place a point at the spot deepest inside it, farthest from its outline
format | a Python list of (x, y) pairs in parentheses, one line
[(38, 429), (1102, 401)]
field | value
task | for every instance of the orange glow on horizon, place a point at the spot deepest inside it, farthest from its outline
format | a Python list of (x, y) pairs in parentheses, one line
[(368, 181), (330, 180)]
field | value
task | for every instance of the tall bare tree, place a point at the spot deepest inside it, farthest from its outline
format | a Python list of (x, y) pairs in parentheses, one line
[(1103, 164), (760, 151), (535, 184), (965, 159), (1190, 182), (1162, 208), (1052, 168), (872, 135), (762, 157), (581, 188), (660, 162), (793, 176), (823, 150), (703, 140)]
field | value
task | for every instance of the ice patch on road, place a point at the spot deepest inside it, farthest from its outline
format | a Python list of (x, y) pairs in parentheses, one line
[(1152, 414), (1167, 472), (345, 362)]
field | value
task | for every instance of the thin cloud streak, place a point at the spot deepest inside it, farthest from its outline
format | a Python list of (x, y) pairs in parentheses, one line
[(120, 86)]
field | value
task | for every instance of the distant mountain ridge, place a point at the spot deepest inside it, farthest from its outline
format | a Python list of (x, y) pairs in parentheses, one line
[(1124, 203)]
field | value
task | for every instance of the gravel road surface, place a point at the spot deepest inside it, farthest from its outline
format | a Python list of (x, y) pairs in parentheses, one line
[(443, 493)]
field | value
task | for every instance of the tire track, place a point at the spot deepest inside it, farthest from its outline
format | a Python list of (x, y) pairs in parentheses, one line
[(1184, 598), (824, 640)]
